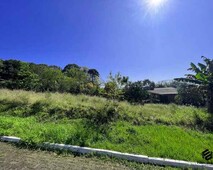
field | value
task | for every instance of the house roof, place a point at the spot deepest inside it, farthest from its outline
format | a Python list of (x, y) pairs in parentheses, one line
[(164, 91)]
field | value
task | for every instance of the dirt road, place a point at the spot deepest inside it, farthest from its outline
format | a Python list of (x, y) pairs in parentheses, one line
[(12, 157)]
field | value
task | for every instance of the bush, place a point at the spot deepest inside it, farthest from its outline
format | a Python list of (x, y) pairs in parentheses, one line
[(191, 95), (108, 113), (135, 92)]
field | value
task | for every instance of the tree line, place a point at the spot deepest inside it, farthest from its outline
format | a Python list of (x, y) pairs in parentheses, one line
[(72, 78), (194, 89), (16, 74)]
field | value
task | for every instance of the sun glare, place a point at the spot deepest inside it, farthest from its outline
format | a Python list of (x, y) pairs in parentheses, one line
[(156, 3), (154, 6)]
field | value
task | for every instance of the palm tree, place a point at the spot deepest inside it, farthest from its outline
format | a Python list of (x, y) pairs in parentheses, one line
[(204, 76)]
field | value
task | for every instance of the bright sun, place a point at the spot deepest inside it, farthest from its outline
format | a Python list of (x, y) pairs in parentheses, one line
[(155, 5)]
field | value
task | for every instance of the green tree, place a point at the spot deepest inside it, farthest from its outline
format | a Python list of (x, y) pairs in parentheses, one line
[(114, 86), (70, 66), (190, 94), (10, 69), (38, 68), (50, 79), (41, 77), (148, 85), (55, 67), (26, 79), (17, 75), (78, 79), (94, 75), (9, 74), (203, 76), (1, 68), (76, 74), (83, 80), (135, 92), (90, 89), (111, 91), (119, 80)]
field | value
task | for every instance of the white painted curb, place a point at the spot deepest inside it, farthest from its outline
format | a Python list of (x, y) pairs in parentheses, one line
[(127, 156), (10, 139)]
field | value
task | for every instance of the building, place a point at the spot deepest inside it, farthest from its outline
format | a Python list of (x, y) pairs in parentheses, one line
[(164, 95)]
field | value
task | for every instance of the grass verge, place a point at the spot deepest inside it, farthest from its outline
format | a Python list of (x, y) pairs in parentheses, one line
[(167, 131), (152, 140), (56, 106)]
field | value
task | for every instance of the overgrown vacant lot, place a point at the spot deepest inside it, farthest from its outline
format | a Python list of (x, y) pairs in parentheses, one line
[(168, 131)]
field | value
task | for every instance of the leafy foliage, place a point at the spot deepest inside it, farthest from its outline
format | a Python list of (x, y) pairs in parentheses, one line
[(191, 95), (15, 74), (72, 78), (108, 113), (94, 75), (1, 68), (136, 92), (204, 74), (70, 66), (114, 86)]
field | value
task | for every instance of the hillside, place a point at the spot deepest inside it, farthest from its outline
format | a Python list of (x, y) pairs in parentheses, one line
[(168, 131)]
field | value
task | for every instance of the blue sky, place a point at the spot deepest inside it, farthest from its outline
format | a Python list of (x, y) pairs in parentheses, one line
[(109, 35)]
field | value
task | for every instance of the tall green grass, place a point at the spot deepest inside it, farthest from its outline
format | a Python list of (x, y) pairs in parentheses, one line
[(158, 130), (152, 140), (55, 105)]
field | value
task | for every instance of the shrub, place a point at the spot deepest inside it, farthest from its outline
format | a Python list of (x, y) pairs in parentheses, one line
[(108, 113), (135, 92), (190, 95)]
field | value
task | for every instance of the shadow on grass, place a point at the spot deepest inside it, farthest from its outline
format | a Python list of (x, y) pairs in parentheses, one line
[(87, 132), (204, 124), (8, 105), (209, 123)]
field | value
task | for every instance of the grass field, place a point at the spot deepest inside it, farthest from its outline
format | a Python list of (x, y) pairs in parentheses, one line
[(167, 131)]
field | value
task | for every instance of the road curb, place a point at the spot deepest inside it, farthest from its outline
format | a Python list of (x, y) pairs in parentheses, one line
[(10, 139), (127, 156)]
